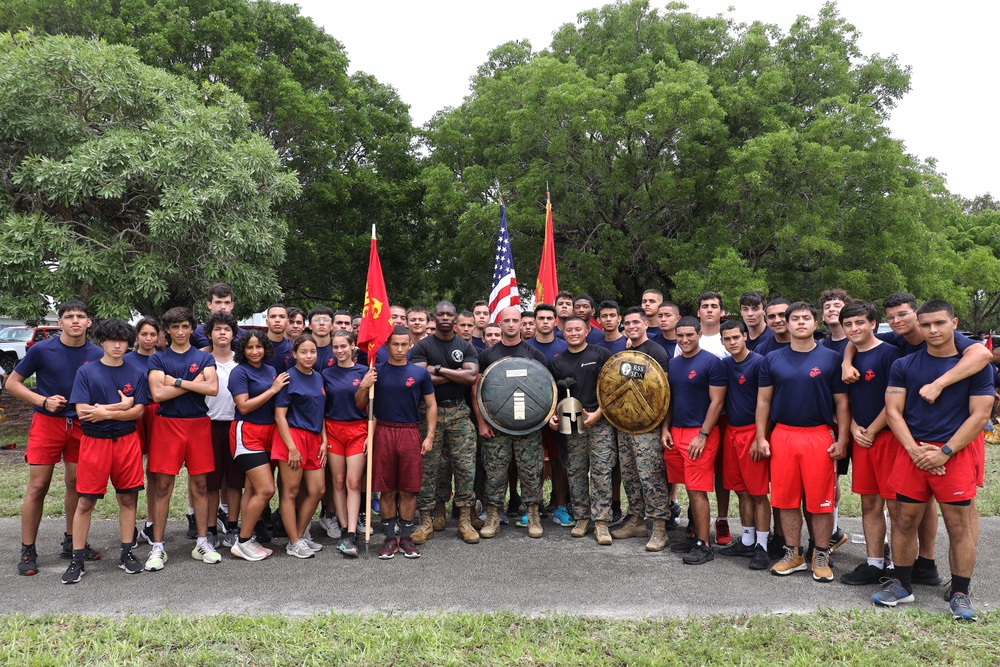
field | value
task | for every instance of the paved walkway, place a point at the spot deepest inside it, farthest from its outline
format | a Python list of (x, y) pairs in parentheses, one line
[(512, 572)]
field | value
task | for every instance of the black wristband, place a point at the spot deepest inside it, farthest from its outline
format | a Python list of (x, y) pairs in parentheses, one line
[(45, 402)]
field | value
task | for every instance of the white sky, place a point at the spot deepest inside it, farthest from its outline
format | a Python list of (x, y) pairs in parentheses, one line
[(429, 50)]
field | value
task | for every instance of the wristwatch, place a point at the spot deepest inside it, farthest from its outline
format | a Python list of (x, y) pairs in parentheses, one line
[(177, 382), (702, 432), (945, 449), (437, 370)]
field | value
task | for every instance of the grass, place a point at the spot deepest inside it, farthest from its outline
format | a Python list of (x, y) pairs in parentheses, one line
[(845, 638)]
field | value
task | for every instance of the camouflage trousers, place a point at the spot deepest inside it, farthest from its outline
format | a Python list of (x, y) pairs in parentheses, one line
[(644, 474), (456, 437), (527, 452), (590, 458), (442, 494)]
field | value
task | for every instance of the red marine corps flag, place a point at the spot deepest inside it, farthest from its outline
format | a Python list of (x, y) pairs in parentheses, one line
[(504, 292), (547, 286), (376, 326)]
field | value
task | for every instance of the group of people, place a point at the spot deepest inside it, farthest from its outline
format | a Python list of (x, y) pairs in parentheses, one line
[(759, 406)]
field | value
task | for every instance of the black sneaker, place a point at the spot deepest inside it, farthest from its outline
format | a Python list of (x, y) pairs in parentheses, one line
[(926, 576), (838, 539), (221, 520), (67, 550), (616, 516), (700, 554), (74, 572), (761, 560), (675, 513), (737, 548), (129, 563), (146, 534), (683, 546), (28, 564), (192, 531), (261, 532), (863, 575), (348, 546), (775, 546)]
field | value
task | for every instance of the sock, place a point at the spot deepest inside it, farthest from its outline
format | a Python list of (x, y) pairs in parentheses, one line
[(202, 542), (158, 545), (905, 575), (762, 538), (244, 540), (836, 514), (352, 535), (748, 535), (78, 554), (232, 525), (923, 563), (960, 584), (149, 524), (877, 562), (214, 530), (27, 546), (67, 537), (329, 515), (389, 528), (405, 528), (124, 548), (224, 507), (190, 510)]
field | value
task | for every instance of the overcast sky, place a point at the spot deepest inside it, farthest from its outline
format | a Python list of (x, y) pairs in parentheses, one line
[(428, 51)]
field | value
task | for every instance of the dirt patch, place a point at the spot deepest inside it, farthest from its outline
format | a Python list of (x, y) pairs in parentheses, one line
[(16, 415)]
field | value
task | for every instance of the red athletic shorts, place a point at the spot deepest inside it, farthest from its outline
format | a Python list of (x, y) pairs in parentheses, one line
[(396, 459), (144, 426), (873, 465), (801, 465), (697, 475), (247, 438), (346, 438), (178, 442), (740, 472), (978, 450), (957, 484), (52, 439), (101, 459), (308, 443)]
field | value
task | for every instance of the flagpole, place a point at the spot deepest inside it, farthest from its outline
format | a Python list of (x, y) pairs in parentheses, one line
[(368, 448)]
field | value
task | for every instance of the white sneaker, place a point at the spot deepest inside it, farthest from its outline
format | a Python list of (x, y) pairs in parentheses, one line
[(331, 527), (206, 554), (299, 549), (503, 518), (257, 545), (307, 538), (249, 550), (231, 537), (157, 557)]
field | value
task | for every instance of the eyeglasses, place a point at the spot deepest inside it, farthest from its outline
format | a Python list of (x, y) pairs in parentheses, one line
[(321, 320), (777, 316), (898, 316)]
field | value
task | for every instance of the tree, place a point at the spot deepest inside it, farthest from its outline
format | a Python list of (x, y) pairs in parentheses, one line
[(126, 186)]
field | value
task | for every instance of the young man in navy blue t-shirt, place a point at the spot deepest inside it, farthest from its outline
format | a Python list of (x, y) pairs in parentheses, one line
[(277, 323)]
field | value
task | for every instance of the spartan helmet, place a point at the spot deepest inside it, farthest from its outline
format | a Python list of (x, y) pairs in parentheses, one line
[(570, 410)]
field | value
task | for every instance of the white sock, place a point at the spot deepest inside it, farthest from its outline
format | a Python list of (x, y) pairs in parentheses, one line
[(190, 510), (148, 524), (762, 538), (877, 562), (836, 512), (224, 507), (158, 545), (748, 532), (202, 542)]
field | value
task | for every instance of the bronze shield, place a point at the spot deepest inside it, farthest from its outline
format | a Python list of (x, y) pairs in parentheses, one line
[(633, 392)]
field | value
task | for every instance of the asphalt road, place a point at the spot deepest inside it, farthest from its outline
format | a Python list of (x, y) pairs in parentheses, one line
[(510, 572)]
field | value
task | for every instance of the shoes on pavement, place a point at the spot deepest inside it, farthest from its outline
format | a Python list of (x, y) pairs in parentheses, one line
[(683, 546), (863, 575), (792, 561), (75, 572), (561, 516), (722, 534), (700, 554), (230, 538), (249, 550), (155, 560), (892, 593), (408, 548), (67, 550), (307, 538), (737, 548), (28, 565), (206, 554), (926, 576), (962, 609), (348, 546), (760, 559), (221, 520), (299, 549), (331, 526), (822, 571), (838, 539), (389, 548), (129, 563)]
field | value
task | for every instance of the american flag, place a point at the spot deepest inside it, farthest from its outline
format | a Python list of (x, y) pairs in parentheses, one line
[(504, 292)]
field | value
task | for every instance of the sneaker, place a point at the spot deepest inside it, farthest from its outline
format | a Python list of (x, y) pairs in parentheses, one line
[(561, 517), (838, 539), (75, 572), (700, 554), (892, 593), (192, 531), (261, 533), (376, 505), (155, 560), (408, 548), (231, 537), (348, 547), (299, 549), (722, 534), (129, 563), (737, 548), (67, 550), (617, 516), (28, 565), (221, 520), (863, 575), (684, 545), (961, 607), (249, 550), (926, 576), (775, 546), (213, 537), (504, 521), (331, 526), (146, 534), (792, 561), (206, 554), (389, 547), (307, 538), (675, 514), (760, 559), (522, 521), (821, 566), (135, 537)]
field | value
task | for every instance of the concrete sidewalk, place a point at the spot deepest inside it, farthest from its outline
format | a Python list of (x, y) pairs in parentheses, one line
[(510, 572)]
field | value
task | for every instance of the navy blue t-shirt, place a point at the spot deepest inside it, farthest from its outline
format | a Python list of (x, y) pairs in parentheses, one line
[(54, 366), (595, 336), (305, 398), (837, 346), (381, 356), (245, 379), (804, 384), (937, 421), (96, 384), (341, 385), (669, 345), (868, 394), (770, 345), (690, 379), (741, 394), (200, 339), (187, 366), (615, 346), (478, 343), (962, 342), (754, 343), (549, 350), (140, 361), (399, 392), (282, 355), (324, 358)]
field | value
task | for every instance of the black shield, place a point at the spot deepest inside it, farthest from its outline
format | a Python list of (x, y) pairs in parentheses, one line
[(516, 395)]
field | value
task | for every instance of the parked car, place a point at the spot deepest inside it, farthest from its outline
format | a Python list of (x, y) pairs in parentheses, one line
[(15, 341)]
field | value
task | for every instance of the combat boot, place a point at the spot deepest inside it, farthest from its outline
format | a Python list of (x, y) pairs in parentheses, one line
[(602, 534), (465, 529), (581, 528), (440, 516), (658, 541), (633, 527), (424, 531), (492, 525), (534, 521), (474, 513)]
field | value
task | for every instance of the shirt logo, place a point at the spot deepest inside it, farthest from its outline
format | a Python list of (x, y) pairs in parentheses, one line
[(743, 379), (127, 388), (193, 369), (323, 389), (410, 382), (693, 374), (329, 362), (869, 375), (357, 382), (457, 355), (815, 372)]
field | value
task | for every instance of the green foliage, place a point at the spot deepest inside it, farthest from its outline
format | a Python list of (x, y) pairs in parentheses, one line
[(127, 186)]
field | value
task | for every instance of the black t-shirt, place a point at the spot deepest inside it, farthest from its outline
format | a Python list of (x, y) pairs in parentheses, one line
[(655, 350), (448, 354), (491, 355), (584, 367)]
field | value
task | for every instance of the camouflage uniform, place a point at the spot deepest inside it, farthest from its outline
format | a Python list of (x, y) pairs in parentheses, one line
[(527, 452), (644, 474), (456, 437), (594, 451)]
